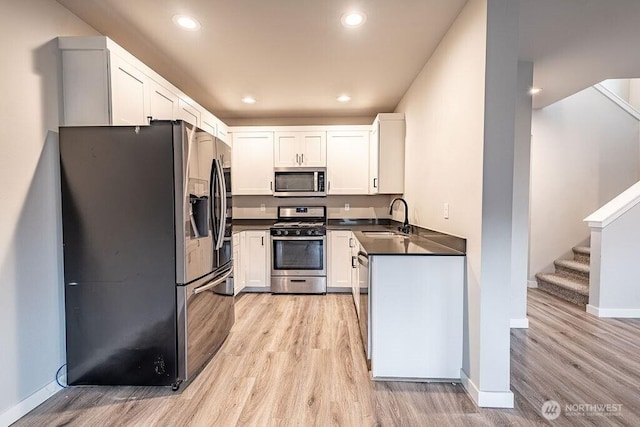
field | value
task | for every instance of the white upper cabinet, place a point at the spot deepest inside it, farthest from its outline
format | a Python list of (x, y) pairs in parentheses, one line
[(252, 163), (300, 149), (348, 162), (387, 154), (130, 91), (188, 113), (103, 84), (163, 103), (223, 132), (208, 123)]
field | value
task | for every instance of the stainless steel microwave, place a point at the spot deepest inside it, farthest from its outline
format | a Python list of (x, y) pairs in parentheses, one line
[(300, 182)]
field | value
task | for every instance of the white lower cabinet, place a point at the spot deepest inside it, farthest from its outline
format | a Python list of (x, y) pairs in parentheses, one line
[(354, 248), (416, 316), (254, 255), (339, 259), (239, 282)]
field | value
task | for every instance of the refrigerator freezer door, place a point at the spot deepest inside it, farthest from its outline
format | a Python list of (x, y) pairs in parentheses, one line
[(205, 317)]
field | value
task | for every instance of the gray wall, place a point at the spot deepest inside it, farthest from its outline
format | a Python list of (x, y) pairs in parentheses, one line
[(584, 152), (459, 150), (521, 172), (31, 294)]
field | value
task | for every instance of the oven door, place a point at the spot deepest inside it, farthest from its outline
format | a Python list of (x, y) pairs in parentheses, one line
[(298, 256)]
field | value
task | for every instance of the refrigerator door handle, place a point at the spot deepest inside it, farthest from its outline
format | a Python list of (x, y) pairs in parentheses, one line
[(212, 204), (213, 283), (223, 207)]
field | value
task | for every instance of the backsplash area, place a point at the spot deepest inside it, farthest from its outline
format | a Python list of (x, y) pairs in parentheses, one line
[(249, 207)]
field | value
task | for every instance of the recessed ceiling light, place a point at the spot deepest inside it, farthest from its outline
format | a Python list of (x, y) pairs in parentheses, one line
[(344, 98), (186, 22), (535, 90), (249, 100), (353, 19)]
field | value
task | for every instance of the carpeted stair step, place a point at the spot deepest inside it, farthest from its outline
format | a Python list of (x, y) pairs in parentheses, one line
[(566, 288), (573, 269), (582, 254)]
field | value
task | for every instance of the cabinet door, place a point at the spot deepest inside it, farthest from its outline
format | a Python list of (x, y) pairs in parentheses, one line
[(339, 273), (208, 123), (354, 247), (374, 151), (163, 103), (348, 162), (312, 148), (238, 266), (252, 163), (286, 149), (188, 113), (129, 93), (391, 135), (223, 132), (257, 272)]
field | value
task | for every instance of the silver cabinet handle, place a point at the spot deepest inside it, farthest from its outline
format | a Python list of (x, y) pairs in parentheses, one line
[(262, 240), (375, 182), (350, 242), (354, 262), (297, 158), (301, 158), (271, 185)]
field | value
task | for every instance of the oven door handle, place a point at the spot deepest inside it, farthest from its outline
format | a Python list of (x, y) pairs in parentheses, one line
[(298, 238)]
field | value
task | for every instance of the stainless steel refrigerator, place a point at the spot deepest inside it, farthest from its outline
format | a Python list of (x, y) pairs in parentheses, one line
[(147, 252)]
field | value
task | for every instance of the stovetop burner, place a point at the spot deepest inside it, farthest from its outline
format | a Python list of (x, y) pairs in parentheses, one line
[(300, 221)]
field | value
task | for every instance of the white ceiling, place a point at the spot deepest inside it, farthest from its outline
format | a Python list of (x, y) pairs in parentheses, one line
[(295, 57)]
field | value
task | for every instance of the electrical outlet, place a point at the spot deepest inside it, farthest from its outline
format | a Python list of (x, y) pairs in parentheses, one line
[(263, 208), (346, 207), (446, 211)]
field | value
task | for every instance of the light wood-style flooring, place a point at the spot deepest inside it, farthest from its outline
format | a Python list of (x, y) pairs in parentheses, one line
[(297, 360)]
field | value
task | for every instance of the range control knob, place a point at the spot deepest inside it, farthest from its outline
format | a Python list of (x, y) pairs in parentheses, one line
[(297, 232), (278, 232), (285, 232), (309, 232)]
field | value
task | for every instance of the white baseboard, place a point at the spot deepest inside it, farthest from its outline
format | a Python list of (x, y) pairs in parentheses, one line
[(19, 410), (487, 399), (623, 313), (520, 323), (532, 283)]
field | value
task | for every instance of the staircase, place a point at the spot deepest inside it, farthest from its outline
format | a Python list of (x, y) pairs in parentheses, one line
[(571, 279)]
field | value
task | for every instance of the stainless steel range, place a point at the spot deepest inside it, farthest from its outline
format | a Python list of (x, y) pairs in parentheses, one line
[(299, 250)]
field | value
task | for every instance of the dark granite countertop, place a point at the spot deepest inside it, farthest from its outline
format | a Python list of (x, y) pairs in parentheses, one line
[(252, 224), (407, 244), (420, 241)]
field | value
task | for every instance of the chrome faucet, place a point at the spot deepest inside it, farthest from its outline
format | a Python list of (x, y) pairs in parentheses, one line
[(405, 225)]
